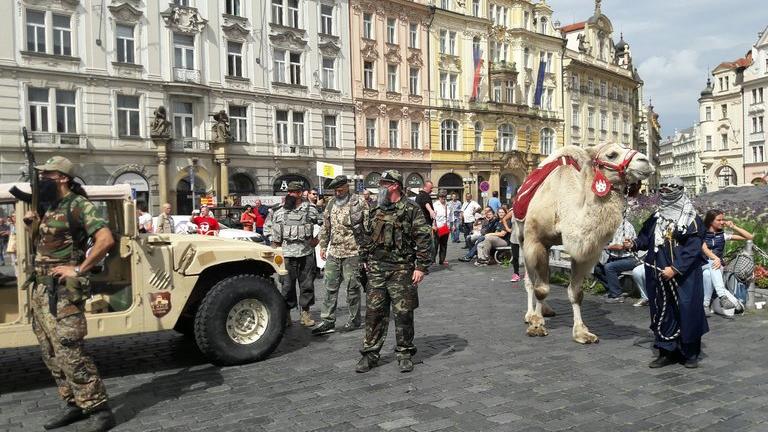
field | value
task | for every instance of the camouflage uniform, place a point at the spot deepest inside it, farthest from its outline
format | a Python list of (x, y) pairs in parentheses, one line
[(340, 237), (58, 318), (399, 241), (165, 224), (293, 230)]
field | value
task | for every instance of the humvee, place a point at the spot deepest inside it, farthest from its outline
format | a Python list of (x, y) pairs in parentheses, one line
[(220, 291)]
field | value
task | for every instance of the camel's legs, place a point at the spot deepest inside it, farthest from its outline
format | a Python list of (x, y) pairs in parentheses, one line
[(529, 291), (581, 333), (537, 283)]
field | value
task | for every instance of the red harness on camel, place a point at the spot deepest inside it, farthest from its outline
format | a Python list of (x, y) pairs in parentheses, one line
[(601, 186)]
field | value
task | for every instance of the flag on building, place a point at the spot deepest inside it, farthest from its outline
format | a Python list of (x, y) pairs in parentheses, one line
[(540, 84), (478, 54)]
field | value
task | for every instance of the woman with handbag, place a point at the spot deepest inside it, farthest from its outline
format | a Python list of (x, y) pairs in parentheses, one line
[(441, 228)]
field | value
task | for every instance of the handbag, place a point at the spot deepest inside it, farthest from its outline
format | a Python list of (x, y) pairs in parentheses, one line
[(443, 230)]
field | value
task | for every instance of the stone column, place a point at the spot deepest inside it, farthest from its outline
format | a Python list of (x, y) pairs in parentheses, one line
[(162, 169), (494, 181), (223, 178)]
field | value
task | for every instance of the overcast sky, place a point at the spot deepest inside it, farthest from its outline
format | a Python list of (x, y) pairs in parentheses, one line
[(675, 43)]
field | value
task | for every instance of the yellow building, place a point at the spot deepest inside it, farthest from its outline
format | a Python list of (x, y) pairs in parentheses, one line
[(487, 121)]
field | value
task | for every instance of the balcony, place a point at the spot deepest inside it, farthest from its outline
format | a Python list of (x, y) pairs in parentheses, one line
[(295, 150), (503, 67), (61, 139), (186, 75), (190, 144)]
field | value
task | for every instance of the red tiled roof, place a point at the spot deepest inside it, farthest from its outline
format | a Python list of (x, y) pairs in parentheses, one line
[(742, 62), (573, 27)]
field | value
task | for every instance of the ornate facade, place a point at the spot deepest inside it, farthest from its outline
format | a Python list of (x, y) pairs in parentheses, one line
[(755, 97), (90, 95)]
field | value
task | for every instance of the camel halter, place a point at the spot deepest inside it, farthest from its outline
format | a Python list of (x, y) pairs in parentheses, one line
[(601, 186)]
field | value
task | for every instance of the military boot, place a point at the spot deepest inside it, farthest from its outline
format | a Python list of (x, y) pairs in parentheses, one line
[(324, 327), (71, 414), (366, 363), (306, 319), (101, 419), (405, 364)]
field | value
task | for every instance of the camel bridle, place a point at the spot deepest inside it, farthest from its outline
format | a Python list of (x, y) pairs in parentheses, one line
[(621, 168)]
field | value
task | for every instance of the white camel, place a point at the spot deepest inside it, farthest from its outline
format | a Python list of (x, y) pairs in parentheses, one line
[(566, 210)]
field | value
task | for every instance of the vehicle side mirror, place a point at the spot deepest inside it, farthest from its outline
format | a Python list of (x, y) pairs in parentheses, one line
[(129, 219)]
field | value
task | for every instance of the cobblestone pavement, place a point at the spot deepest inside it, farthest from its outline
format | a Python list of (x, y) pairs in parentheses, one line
[(476, 371)]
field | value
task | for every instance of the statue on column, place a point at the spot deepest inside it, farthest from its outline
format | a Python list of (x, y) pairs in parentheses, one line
[(220, 130), (160, 126)]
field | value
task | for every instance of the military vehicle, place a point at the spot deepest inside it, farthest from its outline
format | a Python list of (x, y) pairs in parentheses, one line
[(220, 291)]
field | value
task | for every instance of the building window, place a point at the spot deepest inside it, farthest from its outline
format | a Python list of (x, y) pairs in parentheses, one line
[(293, 13), (727, 82), (476, 8), (603, 121), (724, 109), (235, 59), (758, 154), (449, 135), (510, 91), (453, 86), (391, 30), (238, 123), (550, 95), (281, 128), (724, 141), (279, 65), (543, 25), (368, 75), (329, 131), (39, 107), (721, 83), (62, 35), (444, 85), (526, 19), (128, 116), (590, 87), (183, 120), (392, 78), (575, 116), (298, 128), (66, 113), (289, 129), (295, 68), (367, 26), (413, 35), (35, 31), (277, 12), (326, 19), (183, 51), (591, 118), (506, 137), (443, 41), (413, 81), (452, 43), (445, 4), (527, 58), (370, 132), (329, 73), (415, 135), (233, 7), (288, 16), (757, 124), (478, 136), (124, 43), (527, 95), (547, 141), (181, 2), (760, 95), (708, 113), (496, 90), (708, 143), (615, 125), (603, 89), (394, 133)]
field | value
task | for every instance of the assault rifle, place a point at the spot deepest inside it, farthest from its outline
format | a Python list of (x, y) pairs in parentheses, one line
[(32, 198)]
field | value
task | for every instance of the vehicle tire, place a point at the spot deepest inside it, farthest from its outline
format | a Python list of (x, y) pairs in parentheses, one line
[(240, 320)]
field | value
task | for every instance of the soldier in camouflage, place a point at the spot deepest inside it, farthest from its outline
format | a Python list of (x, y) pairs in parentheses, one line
[(60, 288), (397, 251), (292, 228), (344, 219)]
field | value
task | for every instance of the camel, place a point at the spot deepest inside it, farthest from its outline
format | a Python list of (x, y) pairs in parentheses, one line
[(566, 210)]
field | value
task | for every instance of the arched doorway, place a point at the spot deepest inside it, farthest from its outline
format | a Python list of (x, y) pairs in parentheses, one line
[(241, 184), (372, 180), (139, 185), (184, 204), (451, 183), (508, 185), (759, 181), (414, 181), (280, 185), (726, 176)]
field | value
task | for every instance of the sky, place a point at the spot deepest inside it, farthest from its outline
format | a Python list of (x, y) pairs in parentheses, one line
[(675, 44)]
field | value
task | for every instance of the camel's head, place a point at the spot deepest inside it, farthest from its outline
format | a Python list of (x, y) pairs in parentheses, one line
[(617, 165)]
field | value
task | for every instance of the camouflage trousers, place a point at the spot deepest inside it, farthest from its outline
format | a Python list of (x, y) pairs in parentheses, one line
[(390, 287), (61, 342), (338, 272)]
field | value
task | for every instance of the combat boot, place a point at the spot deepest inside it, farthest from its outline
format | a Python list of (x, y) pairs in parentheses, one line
[(366, 363), (324, 327), (405, 364), (101, 419), (306, 319), (71, 414)]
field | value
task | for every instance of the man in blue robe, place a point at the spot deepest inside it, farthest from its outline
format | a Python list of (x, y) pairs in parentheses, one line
[(673, 237)]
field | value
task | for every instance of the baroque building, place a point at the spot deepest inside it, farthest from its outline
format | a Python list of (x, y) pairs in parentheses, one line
[(755, 102), (85, 81), (603, 92)]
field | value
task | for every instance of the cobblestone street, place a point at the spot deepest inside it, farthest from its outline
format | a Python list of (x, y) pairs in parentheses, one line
[(476, 371)]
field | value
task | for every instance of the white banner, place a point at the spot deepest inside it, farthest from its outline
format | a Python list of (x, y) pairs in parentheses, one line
[(328, 170)]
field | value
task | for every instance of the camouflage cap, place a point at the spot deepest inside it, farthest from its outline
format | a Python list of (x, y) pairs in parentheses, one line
[(295, 186), (339, 181), (392, 176), (58, 163)]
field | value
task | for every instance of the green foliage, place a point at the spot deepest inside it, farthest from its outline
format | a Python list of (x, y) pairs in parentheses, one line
[(559, 278), (592, 286)]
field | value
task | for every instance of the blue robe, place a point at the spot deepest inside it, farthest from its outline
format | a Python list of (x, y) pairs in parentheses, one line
[(683, 253)]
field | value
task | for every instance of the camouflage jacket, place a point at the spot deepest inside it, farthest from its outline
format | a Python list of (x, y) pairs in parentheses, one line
[(397, 236), (164, 224), (342, 229), (293, 229), (56, 243)]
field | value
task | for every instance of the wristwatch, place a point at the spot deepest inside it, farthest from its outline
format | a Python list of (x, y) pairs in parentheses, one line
[(77, 271)]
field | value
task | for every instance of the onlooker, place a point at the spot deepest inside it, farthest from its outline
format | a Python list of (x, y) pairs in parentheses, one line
[(424, 200), (5, 234), (496, 236), (206, 225), (480, 227), (454, 217), (368, 199), (165, 223), (514, 242), (619, 260), (494, 202), (713, 250), (144, 219), (248, 218), (469, 210), (263, 211), (441, 228)]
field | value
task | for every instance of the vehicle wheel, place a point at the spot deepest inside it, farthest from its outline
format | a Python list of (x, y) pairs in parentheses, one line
[(240, 320)]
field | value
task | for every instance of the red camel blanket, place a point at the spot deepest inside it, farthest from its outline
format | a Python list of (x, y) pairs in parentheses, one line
[(532, 183)]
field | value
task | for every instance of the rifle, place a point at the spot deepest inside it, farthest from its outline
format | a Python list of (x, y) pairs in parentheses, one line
[(32, 198)]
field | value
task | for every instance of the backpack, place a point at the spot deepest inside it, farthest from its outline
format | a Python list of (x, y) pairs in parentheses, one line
[(742, 266)]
